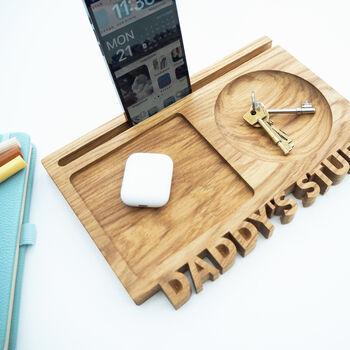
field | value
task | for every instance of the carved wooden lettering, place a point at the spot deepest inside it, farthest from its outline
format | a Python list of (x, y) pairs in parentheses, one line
[(286, 208), (336, 168), (345, 152), (224, 252), (177, 288), (245, 238), (201, 271), (270, 209), (322, 180), (260, 220), (306, 190)]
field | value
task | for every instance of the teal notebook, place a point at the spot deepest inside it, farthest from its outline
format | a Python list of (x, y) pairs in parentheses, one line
[(16, 234)]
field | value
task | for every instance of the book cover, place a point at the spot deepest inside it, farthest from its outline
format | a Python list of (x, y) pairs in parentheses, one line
[(13, 193)]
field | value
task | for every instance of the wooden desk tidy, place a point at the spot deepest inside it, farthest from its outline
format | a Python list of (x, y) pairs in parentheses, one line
[(229, 178)]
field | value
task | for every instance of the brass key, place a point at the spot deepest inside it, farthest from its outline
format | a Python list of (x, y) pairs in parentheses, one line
[(286, 143), (258, 115)]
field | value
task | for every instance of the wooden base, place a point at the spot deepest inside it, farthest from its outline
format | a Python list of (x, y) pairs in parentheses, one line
[(229, 178)]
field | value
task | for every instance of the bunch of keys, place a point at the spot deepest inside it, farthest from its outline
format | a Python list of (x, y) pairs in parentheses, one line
[(259, 116)]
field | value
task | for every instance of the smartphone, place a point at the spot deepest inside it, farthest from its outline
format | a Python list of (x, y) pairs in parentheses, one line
[(142, 44)]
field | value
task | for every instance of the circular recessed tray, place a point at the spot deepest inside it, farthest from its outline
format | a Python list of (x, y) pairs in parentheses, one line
[(277, 90)]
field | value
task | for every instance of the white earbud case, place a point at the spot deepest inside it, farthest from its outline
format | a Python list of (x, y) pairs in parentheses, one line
[(147, 180)]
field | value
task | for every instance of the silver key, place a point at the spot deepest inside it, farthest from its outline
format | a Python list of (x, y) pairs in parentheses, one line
[(306, 108)]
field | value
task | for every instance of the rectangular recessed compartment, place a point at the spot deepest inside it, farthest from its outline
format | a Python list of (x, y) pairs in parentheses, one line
[(150, 249), (204, 188)]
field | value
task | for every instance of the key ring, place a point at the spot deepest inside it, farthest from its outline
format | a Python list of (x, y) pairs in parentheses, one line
[(253, 102)]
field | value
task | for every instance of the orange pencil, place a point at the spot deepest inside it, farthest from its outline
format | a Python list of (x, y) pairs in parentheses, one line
[(9, 155)]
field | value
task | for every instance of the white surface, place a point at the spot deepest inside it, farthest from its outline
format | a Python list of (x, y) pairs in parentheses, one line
[(292, 292), (147, 180)]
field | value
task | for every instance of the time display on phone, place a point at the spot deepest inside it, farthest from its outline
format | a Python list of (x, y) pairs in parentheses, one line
[(142, 45), (125, 8)]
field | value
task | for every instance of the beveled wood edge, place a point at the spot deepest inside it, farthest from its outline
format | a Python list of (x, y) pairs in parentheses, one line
[(177, 299), (138, 291), (62, 178), (316, 169), (176, 285), (177, 275), (198, 80), (230, 62)]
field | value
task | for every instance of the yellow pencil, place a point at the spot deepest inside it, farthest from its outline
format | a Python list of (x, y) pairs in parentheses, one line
[(11, 168)]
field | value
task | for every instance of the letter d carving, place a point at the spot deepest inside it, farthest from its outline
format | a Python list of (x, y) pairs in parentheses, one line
[(177, 288), (223, 251)]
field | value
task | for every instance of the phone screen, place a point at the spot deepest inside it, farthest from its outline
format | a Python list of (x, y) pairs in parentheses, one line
[(142, 44)]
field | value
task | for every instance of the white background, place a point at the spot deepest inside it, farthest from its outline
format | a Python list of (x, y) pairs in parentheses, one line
[(291, 292)]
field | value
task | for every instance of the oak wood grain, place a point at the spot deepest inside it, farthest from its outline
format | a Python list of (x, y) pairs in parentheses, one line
[(229, 178), (204, 188)]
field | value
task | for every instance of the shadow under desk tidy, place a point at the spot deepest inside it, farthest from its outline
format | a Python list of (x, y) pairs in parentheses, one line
[(229, 178)]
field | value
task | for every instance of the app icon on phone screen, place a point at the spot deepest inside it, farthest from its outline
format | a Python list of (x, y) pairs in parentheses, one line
[(142, 44)]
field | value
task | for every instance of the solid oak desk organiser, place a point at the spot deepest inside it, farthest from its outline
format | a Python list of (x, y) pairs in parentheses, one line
[(229, 178)]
